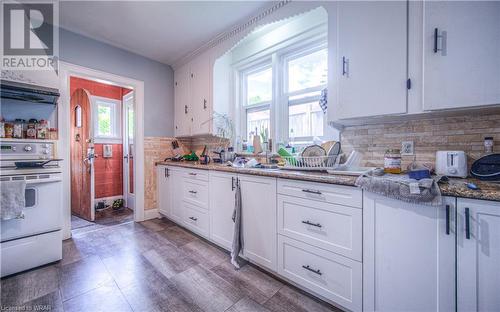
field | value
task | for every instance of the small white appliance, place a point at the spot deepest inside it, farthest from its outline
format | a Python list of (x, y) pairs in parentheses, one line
[(35, 239), (451, 163)]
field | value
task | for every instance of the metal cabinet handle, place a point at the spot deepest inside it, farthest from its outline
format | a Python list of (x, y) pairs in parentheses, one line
[(311, 191), (467, 223), (168, 172), (307, 267), (185, 109), (232, 183), (165, 172), (204, 104), (192, 173), (447, 219), (344, 65), (193, 218), (193, 192), (436, 39), (313, 224)]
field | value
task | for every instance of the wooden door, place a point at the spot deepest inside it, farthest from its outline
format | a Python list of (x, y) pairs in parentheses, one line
[(461, 54), (258, 195), (81, 196), (222, 188), (408, 255), (478, 255), (372, 59)]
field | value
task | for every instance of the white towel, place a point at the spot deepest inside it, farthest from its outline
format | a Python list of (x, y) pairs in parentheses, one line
[(237, 245), (13, 199)]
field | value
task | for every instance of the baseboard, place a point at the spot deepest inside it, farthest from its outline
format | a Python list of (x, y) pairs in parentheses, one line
[(151, 214)]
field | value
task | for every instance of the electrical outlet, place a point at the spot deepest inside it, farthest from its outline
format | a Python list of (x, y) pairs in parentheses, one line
[(407, 148)]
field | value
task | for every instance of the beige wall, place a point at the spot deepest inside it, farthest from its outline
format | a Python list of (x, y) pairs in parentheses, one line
[(465, 133)]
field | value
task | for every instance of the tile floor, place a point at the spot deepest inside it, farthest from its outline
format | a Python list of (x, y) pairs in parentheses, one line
[(105, 218), (148, 266)]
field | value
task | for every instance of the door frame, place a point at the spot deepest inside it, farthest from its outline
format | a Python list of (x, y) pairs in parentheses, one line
[(125, 142), (67, 70)]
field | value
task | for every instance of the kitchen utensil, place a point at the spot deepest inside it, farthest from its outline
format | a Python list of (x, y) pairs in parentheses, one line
[(313, 151), (333, 153), (487, 168), (451, 163)]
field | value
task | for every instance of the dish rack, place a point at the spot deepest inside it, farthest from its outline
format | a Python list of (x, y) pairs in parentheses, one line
[(315, 163)]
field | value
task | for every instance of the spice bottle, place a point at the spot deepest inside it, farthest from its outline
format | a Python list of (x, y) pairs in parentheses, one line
[(43, 130), (18, 129), (392, 161), (31, 129), (9, 129)]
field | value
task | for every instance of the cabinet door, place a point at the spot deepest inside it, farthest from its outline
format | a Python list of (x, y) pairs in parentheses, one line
[(200, 94), (408, 255), (372, 58), (464, 70), (221, 208), (176, 187), (181, 99), (164, 191), (258, 196), (478, 255)]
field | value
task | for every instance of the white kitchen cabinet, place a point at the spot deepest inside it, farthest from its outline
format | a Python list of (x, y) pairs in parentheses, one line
[(164, 192), (182, 114), (408, 255), (176, 186), (44, 78), (222, 200), (372, 59), (461, 54), (478, 255), (200, 94), (258, 196)]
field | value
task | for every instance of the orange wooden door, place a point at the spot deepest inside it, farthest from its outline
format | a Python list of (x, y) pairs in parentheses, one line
[(81, 141)]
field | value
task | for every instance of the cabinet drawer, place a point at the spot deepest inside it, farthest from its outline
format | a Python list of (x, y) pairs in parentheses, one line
[(328, 193), (332, 227), (194, 174), (195, 220), (331, 276), (195, 192)]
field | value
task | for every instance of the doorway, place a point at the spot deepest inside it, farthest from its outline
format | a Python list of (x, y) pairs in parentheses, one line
[(101, 150)]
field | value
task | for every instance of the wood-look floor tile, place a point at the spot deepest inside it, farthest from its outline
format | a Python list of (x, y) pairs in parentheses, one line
[(206, 289), (50, 302), (177, 236), (153, 226), (205, 254), (164, 222), (169, 260), (106, 298), (24, 287), (83, 275), (256, 284), (289, 299), (247, 305)]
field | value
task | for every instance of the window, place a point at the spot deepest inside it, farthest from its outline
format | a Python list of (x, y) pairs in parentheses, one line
[(297, 75), (258, 83), (107, 121)]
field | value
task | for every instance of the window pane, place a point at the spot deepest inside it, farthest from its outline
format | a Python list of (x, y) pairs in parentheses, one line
[(104, 120), (305, 120), (257, 121), (259, 87), (308, 71)]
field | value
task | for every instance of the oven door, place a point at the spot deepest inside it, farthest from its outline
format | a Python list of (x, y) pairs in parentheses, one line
[(43, 210)]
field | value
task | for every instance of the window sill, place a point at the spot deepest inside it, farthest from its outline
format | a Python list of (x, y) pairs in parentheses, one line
[(108, 140)]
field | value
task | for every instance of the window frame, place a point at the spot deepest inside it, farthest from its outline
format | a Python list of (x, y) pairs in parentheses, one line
[(115, 122)]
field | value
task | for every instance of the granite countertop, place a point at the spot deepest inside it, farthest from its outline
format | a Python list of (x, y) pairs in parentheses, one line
[(455, 187)]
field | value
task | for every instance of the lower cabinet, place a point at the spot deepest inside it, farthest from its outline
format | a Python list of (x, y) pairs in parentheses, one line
[(195, 218), (222, 189), (408, 255), (328, 274), (258, 196), (478, 255), (176, 189)]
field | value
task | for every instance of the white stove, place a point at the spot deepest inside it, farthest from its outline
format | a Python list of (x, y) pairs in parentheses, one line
[(35, 239)]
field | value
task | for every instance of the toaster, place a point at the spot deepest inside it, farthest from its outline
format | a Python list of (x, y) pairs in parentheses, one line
[(451, 163)]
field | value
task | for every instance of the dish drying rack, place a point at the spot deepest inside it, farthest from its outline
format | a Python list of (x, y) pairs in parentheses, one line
[(311, 163)]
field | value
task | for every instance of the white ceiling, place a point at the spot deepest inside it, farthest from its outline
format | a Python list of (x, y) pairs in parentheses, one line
[(164, 31)]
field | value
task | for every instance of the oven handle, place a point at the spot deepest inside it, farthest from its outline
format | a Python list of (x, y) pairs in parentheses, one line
[(38, 181)]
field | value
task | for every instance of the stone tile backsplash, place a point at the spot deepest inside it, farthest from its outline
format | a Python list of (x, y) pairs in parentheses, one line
[(429, 135)]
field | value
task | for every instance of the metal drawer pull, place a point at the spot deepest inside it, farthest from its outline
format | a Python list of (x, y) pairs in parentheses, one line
[(192, 173), (312, 191), (193, 218), (307, 267), (447, 219), (467, 223), (193, 192), (313, 224)]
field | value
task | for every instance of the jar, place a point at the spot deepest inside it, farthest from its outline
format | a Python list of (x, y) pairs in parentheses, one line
[(31, 129), (53, 134), (392, 161), (18, 129), (2, 129), (9, 129), (488, 145), (42, 130)]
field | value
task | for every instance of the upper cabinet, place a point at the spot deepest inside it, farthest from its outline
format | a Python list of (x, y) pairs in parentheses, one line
[(372, 59), (192, 97), (461, 54)]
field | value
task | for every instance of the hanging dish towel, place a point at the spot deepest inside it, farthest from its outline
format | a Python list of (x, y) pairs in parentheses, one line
[(424, 191), (237, 245), (13, 200), (323, 100)]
